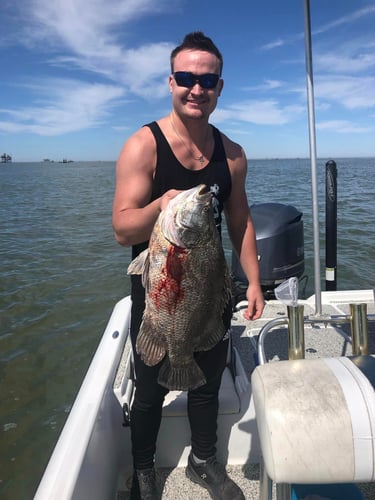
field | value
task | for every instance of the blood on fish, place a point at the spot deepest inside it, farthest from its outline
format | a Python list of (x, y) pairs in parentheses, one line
[(168, 288)]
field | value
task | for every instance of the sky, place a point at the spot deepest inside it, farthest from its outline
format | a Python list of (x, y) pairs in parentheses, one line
[(79, 77)]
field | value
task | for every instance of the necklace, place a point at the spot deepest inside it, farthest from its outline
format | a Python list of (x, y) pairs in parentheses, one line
[(199, 158)]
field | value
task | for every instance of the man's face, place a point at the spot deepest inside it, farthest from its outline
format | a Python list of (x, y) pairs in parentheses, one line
[(195, 101)]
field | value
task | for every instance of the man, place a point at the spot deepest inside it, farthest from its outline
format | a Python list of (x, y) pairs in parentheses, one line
[(178, 152)]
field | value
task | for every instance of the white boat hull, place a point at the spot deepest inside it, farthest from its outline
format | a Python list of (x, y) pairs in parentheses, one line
[(93, 445)]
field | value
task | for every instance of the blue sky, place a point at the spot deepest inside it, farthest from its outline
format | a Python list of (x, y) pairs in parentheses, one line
[(79, 76)]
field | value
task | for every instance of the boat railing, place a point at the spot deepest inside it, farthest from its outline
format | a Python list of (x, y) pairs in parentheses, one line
[(295, 321)]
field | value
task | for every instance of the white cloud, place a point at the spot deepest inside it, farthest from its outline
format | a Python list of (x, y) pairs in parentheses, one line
[(87, 35), (354, 55), (86, 26), (341, 21), (266, 112), (145, 70), (272, 45), (348, 19), (342, 127), (349, 91), (66, 106), (338, 63), (266, 86)]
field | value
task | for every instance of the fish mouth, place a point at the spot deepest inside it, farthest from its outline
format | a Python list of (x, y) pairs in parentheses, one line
[(204, 192), (203, 189)]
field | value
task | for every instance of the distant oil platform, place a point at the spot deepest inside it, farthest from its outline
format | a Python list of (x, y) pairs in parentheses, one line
[(5, 158)]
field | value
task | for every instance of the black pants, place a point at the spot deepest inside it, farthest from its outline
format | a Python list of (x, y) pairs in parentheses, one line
[(202, 407)]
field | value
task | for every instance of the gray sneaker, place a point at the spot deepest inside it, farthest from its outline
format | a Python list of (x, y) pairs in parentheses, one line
[(144, 486), (213, 477)]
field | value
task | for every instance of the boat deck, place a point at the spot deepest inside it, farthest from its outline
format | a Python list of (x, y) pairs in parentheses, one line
[(321, 340), (175, 485)]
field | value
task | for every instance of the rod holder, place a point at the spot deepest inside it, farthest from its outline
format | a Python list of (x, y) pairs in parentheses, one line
[(331, 225), (359, 328), (296, 332)]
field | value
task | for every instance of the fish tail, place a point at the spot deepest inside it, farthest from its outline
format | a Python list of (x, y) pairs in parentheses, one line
[(182, 378)]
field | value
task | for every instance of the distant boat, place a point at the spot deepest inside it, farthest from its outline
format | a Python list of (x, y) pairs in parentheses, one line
[(5, 158), (66, 161)]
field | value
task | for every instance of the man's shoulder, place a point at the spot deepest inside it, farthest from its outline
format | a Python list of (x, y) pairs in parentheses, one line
[(142, 136), (233, 150), (229, 144), (139, 151)]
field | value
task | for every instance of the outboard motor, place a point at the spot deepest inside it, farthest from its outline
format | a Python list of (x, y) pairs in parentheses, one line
[(280, 246)]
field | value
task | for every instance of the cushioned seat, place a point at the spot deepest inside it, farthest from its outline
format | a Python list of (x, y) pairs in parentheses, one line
[(316, 419)]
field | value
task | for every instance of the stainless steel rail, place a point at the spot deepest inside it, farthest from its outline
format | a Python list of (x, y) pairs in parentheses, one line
[(357, 320)]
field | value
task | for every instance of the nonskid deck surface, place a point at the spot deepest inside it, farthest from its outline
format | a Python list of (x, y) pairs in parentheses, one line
[(176, 486)]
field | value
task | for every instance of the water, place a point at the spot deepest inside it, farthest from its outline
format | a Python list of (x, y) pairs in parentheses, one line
[(61, 273), (288, 181)]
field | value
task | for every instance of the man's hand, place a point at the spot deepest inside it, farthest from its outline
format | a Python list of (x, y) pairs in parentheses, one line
[(255, 300), (167, 197)]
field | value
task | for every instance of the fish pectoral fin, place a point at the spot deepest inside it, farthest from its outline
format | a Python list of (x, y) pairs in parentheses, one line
[(139, 264), (151, 348), (181, 378)]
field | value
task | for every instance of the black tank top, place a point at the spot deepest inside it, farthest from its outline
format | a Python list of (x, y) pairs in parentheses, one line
[(171, 174)]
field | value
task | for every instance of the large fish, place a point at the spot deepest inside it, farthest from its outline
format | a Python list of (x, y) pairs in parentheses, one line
[(187, 284)]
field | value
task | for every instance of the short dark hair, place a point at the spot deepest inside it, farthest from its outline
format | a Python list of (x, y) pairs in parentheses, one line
[(197, 40)]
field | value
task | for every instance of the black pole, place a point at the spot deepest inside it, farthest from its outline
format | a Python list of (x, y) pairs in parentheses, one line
[(331, 226)]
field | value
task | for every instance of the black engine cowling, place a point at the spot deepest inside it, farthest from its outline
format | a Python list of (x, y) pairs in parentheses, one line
[(280, 247)]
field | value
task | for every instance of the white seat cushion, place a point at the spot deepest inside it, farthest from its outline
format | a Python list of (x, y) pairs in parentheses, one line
[(316, 421)]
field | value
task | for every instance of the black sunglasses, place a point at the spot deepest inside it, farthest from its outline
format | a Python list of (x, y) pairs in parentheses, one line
[(187, 79)]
